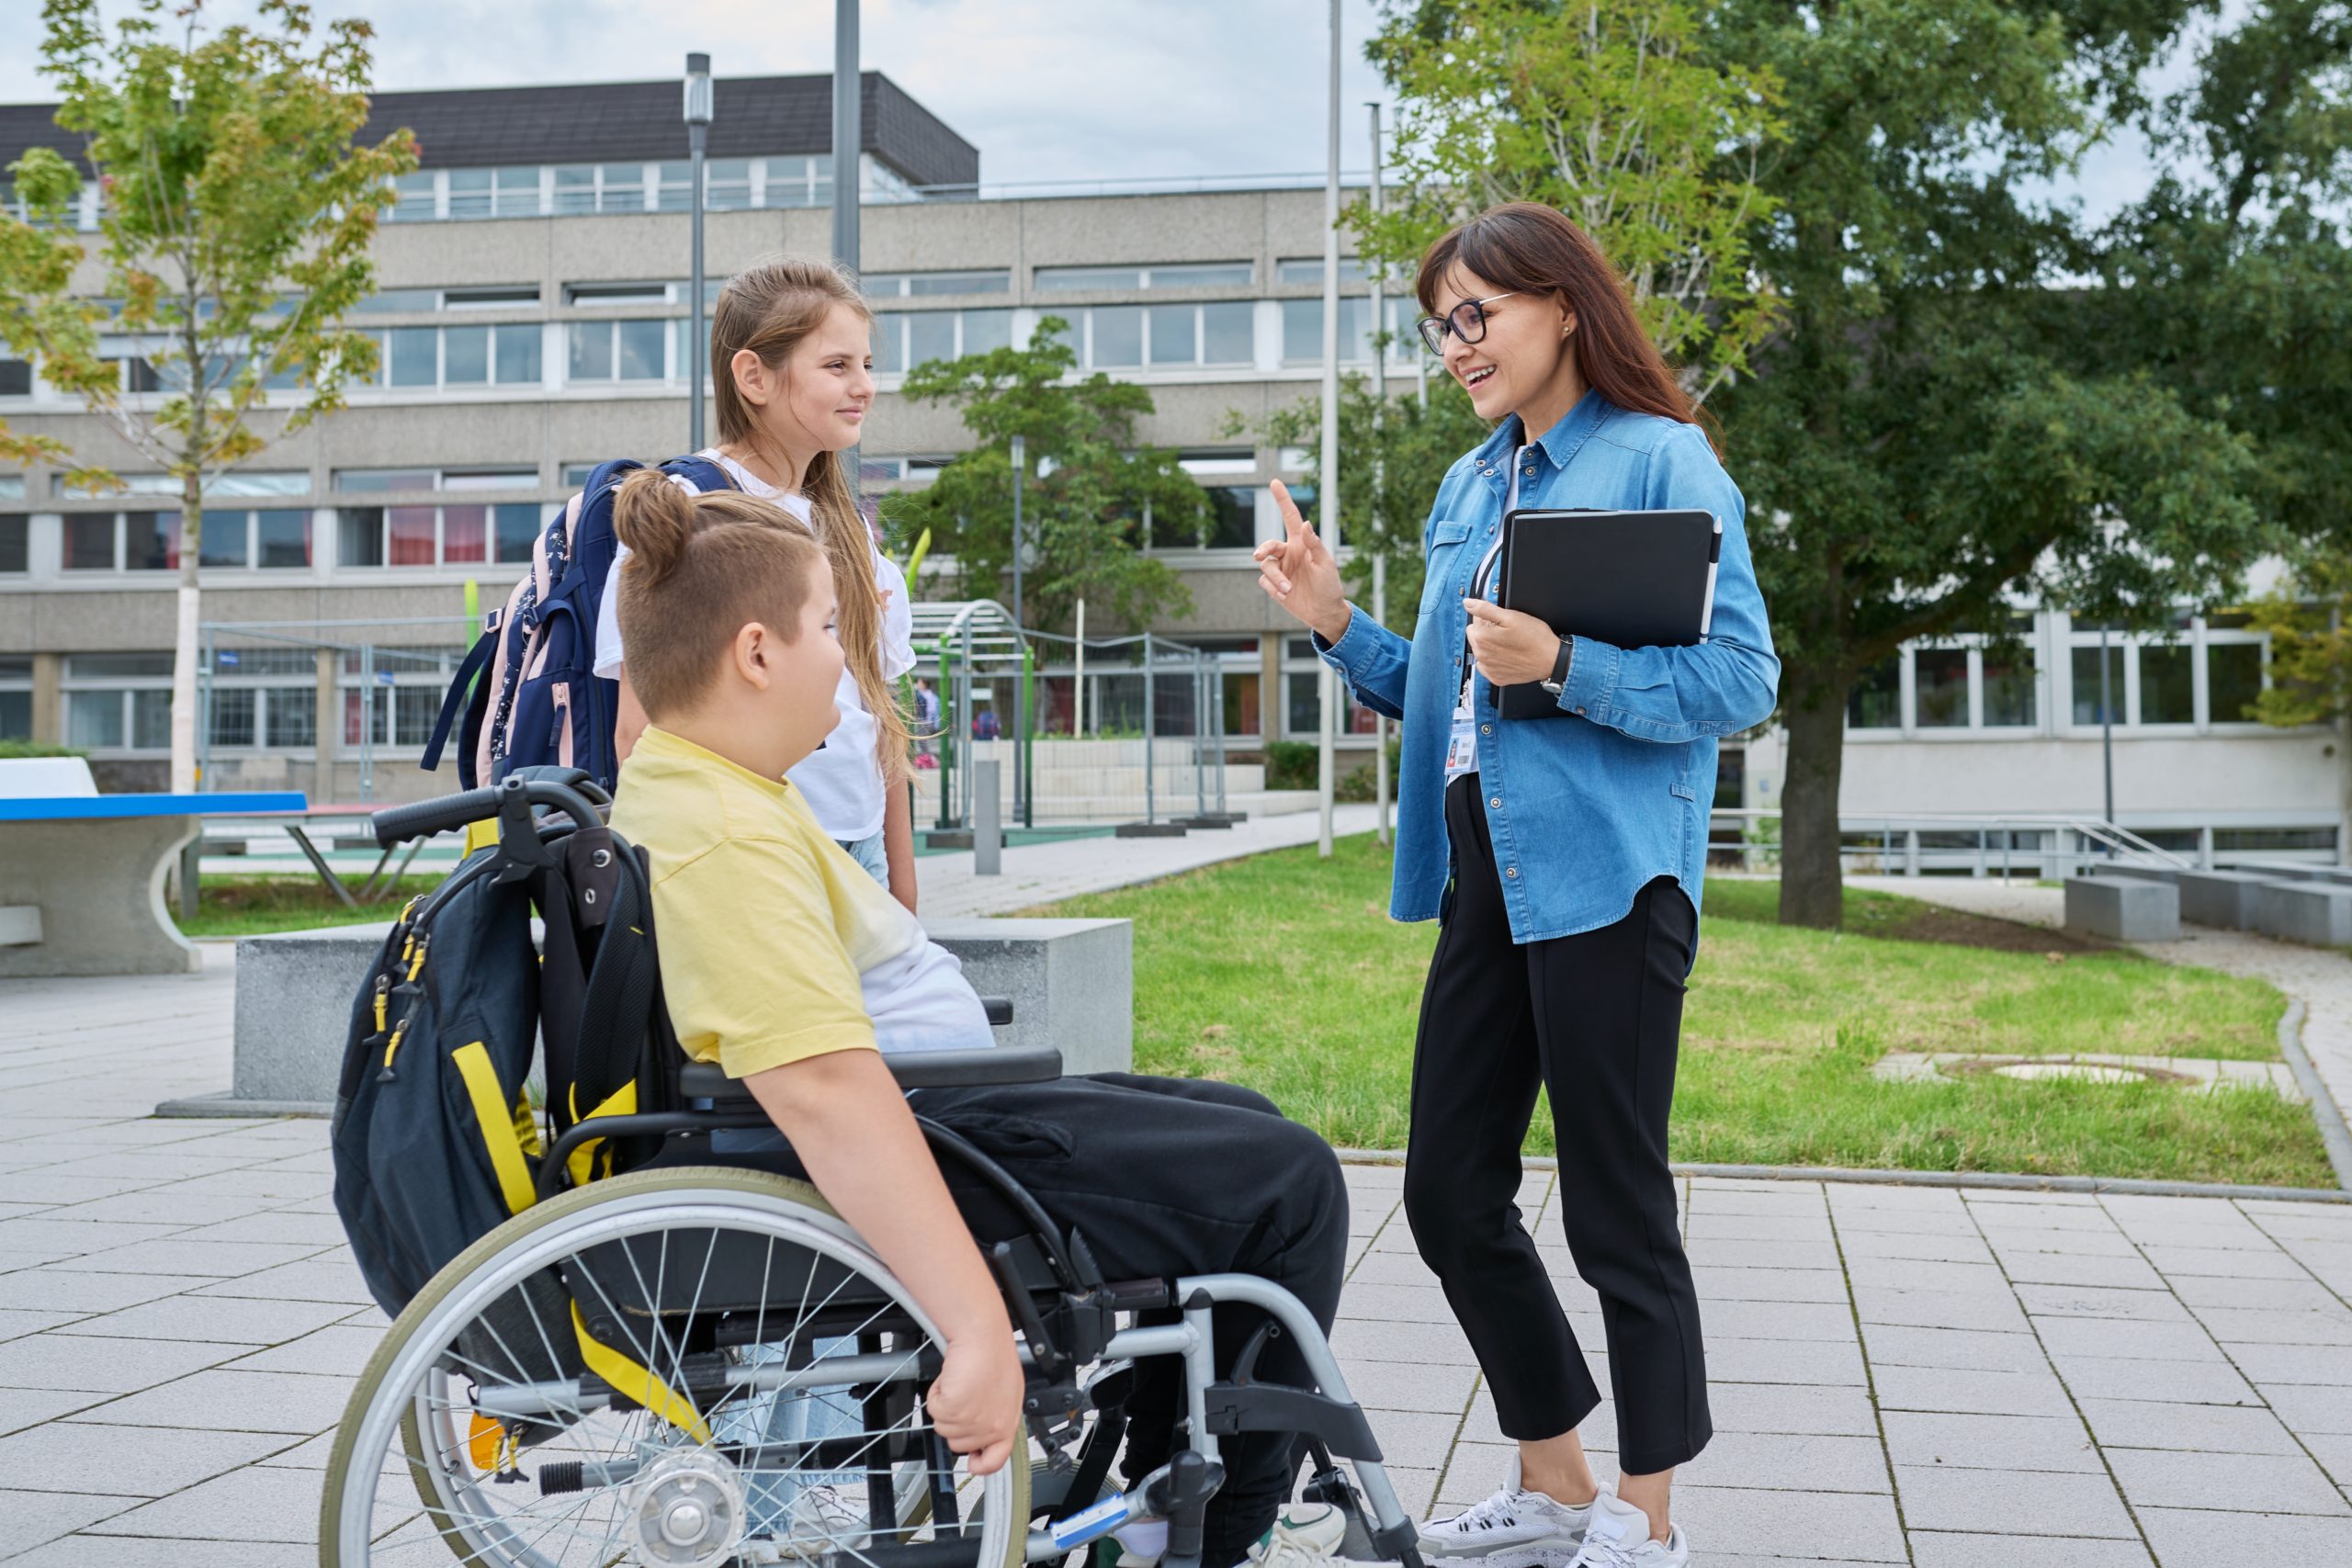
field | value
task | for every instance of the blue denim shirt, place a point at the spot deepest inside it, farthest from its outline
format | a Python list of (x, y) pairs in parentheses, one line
[(1584, 812)]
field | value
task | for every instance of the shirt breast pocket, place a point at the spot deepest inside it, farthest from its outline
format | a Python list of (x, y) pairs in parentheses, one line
[(1440, 566)]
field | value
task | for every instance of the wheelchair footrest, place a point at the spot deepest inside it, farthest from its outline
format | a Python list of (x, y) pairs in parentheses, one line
[(1272, 1407)]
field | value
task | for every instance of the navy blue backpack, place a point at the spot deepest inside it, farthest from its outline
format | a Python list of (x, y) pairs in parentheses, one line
[(529, 691)]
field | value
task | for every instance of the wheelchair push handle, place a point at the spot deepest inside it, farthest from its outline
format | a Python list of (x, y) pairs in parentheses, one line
[(445, 813)]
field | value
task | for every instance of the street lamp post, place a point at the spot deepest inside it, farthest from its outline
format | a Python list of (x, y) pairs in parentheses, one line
[(1380, 555), (1326, 489), (699, 114), (1020, 625)]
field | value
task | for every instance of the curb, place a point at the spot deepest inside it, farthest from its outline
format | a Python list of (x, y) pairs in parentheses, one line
[(1999, 1180), (2333, 1135)]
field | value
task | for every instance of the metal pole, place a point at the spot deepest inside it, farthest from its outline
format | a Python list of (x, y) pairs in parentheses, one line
[(367, 721), (1200, 751), (1077, 683), (2106, 723), (848, 131), (1327, 507), (1025, 696), (971, 750), (1150, 715), (987, 822), (699, 114), (1380, 556), (1019, 773)]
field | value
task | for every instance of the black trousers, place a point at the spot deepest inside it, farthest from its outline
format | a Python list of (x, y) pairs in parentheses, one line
[(1592, 1019), (1169, 1177)]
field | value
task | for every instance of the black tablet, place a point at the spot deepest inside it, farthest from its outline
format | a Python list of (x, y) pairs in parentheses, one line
[(1633, 579)]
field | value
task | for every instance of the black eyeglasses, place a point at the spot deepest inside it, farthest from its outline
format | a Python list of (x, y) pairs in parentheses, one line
[(1466, 320)]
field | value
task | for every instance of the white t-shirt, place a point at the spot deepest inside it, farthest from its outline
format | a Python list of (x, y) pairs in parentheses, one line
[(842, 780)]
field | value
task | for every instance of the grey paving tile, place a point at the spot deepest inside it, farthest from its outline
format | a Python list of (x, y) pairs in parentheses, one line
[(164, 1206), (1782, 1462), (2022, 1240), (24, 1407), (2241, 1234), (2251, 1483), (2188, 1383), (2042, 1216), (2094, 1336), (2261, 1325), (252, 1181), (1790, 1407), (331, 1277), (43, 1185), (275, 1228), (15, 1323), (1707, 1225), (29, 1518), (2235, 1265), (2271, 1295), (48, 1233), (1827, 1321), (1946, 1549), (244, 1506), (1929, 1247), (1732, 1521), (234, 1402), (2328, 1364), (1939, 1309), (1714, 1253), (2152, 1305), (1793, 1203), (2080, 1269), (78, 1290), (2011, 1502), (1973, 1350), (1418, 1439), (130, 1552), (1922, 1274), (2026, 1197), (339, 1350), (134, 1462), (2308, 1408), (1969, 1392), (1391, 1268), (1784, 1360), (1365, 1340), (1391, 1385), (1989, 1442), (1398, 1303), (226, 1319), (2333, 1452), (178, 1255), (2207, 1428), (69, 1362), (2183, 1537), (1768, 1285)]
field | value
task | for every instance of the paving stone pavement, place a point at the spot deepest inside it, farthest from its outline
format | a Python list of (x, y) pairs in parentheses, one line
[(1901, 1375)]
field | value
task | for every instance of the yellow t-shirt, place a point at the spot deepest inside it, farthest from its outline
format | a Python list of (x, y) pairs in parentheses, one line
[(770, 936)]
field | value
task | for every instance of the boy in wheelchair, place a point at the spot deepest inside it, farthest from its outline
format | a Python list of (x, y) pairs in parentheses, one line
[(782, 961)]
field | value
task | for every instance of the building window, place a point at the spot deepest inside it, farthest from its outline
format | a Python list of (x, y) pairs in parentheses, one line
[(275, 539), (903, 340), (2249, 840), (253, 704), (2233, 681), (2088, 708), (505, 354), (599, 187), (448, 534), (119, 702), (494, 193), (1303, 329), (726, 185), (1876, 701), (626, 350), (398, 707), (122, 541), (15, 698), (1940, 688), (15, 544), (1309, 269), (1302, 698), (983, 281), (2168, 684), (1177, 275), (2008, 688), (412, 198), (16, 378)]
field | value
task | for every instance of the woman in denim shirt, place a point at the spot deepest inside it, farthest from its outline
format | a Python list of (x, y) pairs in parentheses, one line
[(1563, 859)]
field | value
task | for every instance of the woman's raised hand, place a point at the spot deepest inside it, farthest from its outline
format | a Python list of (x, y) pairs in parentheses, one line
[(1299, 574)]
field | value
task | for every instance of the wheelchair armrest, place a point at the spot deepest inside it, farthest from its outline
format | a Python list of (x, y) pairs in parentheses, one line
[(998, 1008), (918, 1069)]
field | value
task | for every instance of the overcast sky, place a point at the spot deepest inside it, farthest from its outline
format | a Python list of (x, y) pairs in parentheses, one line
[(1047, 89)]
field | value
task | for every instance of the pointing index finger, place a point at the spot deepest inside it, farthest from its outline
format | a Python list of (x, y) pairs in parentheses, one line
[(1293, 523)]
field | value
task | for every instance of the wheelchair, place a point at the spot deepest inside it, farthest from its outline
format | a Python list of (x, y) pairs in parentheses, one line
[(693, 1364)]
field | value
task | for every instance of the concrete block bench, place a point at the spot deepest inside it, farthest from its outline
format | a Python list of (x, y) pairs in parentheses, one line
[(2319, 913), (2224, 898), (82, 874), (2141, 870), (1071, 983), (2122, 908)]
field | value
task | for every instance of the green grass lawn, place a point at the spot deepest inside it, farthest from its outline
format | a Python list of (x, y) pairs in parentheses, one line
[(254, 905), (1286, 974)]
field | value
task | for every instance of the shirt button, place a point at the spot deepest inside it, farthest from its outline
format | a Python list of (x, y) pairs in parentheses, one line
[(1530, 472), (1485, 729), (1510, 871), (1579, 713), (1495, 801)]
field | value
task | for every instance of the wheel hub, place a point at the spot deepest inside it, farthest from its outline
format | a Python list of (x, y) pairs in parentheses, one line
[(686, 1510)]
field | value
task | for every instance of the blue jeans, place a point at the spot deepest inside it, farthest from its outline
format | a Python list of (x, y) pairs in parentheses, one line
[(815, 1415)]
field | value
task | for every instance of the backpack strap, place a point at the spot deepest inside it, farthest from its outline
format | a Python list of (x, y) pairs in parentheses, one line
[(461, 687), (616, 1010)]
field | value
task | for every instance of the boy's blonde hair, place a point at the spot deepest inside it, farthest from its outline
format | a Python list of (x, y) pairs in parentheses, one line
[(769, 308), (699, 568)]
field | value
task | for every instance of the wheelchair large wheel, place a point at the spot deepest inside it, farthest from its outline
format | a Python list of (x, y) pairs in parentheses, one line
[(671, 1369)]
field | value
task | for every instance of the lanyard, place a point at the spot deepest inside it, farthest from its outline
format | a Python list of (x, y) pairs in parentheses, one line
[(1482, 579)]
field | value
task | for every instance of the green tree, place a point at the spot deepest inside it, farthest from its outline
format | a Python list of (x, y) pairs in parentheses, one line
[(236, 216), (1611, 111), (1940, 429), (1085, 504)]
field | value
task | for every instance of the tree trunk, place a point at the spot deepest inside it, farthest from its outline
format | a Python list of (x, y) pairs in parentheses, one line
[(184, 648), (1812, 891)]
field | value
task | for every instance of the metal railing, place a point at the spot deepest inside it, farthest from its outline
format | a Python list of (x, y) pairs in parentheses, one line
[(2045, 846)]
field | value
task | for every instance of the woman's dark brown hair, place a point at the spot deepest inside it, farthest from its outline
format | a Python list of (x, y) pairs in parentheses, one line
[(1524, 248)]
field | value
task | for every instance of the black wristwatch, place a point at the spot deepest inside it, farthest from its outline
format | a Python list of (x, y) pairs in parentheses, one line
[(1560, 669)]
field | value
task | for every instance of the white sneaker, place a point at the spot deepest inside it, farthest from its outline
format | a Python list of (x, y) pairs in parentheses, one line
[(1618, 1536), (1528, 1526), (1305, 1535)]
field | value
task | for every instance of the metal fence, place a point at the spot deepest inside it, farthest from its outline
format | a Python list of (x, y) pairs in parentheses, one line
[(2030, 846)]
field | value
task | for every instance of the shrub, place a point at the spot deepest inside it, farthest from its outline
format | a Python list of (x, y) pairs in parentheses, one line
[(1290, 764), (14, 749)]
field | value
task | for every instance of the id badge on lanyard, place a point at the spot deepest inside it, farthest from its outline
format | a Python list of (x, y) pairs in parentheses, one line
[(1462, 742)]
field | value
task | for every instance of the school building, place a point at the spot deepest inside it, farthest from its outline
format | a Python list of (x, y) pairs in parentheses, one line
[(533, 317)]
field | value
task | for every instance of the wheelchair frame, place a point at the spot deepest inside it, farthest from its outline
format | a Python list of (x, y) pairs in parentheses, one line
[(1068, 1315)]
